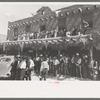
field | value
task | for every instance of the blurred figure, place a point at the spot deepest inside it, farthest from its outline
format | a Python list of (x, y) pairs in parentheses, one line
[(55, 66), (22, 68), (66, 69), (29, 68), (37, 65), (14, 67), (85, 67), (50, 65), (72, 66), (68, 34), (61, 65), (78, 66), (95, 70), (74, 31), (44, 69)]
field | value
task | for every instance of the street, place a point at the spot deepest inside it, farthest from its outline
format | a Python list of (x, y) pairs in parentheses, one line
[(61, 78)]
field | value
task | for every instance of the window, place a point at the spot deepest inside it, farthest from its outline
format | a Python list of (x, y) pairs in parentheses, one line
[(42, 28), (15, 33), (28, 28), (5, 59), (87, 18), (61, 22)]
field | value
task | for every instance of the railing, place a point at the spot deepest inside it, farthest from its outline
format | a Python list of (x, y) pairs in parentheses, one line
[(47, 39)]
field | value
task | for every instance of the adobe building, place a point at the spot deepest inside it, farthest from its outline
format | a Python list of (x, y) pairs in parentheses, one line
[(42, 32)]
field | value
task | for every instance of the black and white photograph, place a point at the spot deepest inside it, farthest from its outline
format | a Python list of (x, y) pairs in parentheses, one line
[(49, 42)]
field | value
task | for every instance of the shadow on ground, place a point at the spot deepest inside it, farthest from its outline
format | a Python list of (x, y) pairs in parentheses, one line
[(5, 78)]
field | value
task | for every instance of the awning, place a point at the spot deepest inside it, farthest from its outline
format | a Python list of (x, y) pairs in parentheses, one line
[(57, 41)]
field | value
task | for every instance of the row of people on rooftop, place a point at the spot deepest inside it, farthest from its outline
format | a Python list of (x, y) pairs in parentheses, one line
[(62, 32)]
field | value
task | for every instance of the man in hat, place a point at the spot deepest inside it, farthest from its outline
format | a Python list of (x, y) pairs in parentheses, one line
[(61, 65), (66, 67), (14, 67), (85, 66), (22, 68), (29, 68), (55, 66), (78, 65), (38, 64)]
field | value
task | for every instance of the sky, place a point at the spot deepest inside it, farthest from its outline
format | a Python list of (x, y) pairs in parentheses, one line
[(15, 11)]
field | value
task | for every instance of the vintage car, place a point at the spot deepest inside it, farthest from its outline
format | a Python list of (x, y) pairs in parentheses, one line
[(5, 65)]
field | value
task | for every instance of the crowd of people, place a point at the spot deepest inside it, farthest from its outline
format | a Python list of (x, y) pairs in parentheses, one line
[(77, 66), (60, 32)]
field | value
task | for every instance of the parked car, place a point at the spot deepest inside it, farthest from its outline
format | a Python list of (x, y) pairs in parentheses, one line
[(5, 65)]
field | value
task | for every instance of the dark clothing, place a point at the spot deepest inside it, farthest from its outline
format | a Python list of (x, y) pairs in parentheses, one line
[(79, 71), (22, 74), (85, 68), (74, 32), (28, 74), (28, 70), (62, 66), (66, 69), (55, 70), (37, 66), (18, 74), (73, 70), (44, 73), (50, 67), (14, 69)]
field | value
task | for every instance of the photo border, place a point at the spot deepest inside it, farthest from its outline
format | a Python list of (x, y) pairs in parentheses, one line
[(49, 1)]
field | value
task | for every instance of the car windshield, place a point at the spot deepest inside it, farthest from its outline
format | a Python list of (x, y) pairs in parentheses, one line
[(5, 59)]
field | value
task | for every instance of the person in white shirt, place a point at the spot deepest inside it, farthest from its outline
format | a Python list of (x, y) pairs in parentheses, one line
[(22, 68), (29, 68), (32, 64), (68, 34), (44, 69)]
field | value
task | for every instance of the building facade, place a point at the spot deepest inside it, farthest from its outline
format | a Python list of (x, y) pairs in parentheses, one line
[(46, 22), (46, 31)]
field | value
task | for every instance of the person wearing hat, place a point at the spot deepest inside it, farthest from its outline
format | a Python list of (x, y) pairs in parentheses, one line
[(95, 70), (66, 67), (85, 67), (29, 67), (61, 65), (22, 68), (38, 64), (78, 66), (55, 66), (14, 65), (44, 69)]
